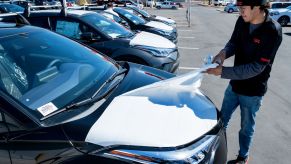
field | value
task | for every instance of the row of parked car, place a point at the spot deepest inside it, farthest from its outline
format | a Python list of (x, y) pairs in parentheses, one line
[(64, 100)]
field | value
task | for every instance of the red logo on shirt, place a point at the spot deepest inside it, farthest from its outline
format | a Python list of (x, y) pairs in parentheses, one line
[(257, 41), (265, 60)]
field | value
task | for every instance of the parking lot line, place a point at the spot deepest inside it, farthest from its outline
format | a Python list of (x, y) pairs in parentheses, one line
[(184, 30), (187, 37), (189, 48), (182, 25)]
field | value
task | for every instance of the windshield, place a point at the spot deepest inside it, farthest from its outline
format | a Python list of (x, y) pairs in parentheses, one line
[(111, 28), (133, 18), (45, 71), (143, 12)]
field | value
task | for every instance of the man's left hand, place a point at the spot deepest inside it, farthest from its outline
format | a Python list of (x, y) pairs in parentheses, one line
[(215, 71)]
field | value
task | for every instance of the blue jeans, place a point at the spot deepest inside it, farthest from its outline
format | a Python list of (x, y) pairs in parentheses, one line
[(249, 105)]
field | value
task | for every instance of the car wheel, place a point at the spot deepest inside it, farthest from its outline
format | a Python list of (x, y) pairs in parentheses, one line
[(174, 7), (158, 7), (284, 20), (230, 10)]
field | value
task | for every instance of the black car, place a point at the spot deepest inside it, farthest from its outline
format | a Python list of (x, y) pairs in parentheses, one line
[(147, 16), (62, 102), (137, 23), (110, 37)]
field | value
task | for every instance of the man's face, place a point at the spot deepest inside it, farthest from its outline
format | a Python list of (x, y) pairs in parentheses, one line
[(249, 14)]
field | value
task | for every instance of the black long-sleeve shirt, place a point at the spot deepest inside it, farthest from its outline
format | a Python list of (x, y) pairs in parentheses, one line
[(254, 55)]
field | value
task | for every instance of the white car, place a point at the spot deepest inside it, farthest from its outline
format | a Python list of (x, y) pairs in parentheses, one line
[(222, 2), (150, 3), (167, 5), (282, 16)]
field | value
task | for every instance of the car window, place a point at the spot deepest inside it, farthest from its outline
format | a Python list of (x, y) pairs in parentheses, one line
[(276, 5), (286, 5), (135, 19), (43, 70), (3, 9), (43, 22), (146, 14), (68, 28), (108, 27), (72, 28)]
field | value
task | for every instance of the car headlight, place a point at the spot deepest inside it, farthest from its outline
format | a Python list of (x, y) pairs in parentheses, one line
[(159, 52), (163, 32), (170, 24), (201, 151)]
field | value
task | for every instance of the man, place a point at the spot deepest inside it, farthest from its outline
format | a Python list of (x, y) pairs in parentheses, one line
[(254, 43)]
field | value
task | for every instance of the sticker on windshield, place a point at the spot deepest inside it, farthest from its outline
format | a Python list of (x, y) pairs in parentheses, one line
[(47, 109)]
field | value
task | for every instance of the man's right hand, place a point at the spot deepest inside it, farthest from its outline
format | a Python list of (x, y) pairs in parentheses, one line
[(220, 57)]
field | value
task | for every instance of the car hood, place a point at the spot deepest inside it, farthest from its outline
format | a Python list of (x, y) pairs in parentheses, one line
[(149, 39), (159, 25), (165, 19), (169, 113)]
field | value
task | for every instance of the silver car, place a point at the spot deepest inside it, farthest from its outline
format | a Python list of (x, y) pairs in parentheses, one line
[(230, 8)]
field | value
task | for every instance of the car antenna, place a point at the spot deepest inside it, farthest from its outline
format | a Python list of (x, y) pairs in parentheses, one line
[(64, 8)]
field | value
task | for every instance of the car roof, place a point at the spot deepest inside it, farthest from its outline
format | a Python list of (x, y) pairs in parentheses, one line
[(8, 29), (74, 13)]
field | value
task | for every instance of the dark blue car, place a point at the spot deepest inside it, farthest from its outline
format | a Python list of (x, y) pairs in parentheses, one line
[(62, 102)]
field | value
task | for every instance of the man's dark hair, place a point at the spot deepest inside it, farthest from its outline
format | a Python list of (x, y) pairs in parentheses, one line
[(262, 3)]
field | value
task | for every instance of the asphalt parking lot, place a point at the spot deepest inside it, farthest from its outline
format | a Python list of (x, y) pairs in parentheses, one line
[(210, 30)]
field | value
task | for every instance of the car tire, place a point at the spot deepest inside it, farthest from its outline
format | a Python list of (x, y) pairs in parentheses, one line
[(284, 20), (159, 7), (174, 7), (230, 11)]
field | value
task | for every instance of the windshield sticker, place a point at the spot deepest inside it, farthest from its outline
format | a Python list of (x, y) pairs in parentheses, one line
[(47, 109)]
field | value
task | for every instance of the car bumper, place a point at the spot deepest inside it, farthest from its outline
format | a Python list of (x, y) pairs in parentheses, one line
[(215, 152)]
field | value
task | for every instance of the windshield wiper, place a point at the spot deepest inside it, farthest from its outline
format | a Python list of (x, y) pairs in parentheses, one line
[(129, 35), (93, 98)]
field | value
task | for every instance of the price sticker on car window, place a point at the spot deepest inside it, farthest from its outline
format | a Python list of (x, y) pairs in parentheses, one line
[(47, 109)]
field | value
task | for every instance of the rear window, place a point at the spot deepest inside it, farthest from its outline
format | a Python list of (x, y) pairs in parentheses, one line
[(280, 5)]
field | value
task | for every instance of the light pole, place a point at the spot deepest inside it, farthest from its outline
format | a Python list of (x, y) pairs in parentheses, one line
[(188, 13)]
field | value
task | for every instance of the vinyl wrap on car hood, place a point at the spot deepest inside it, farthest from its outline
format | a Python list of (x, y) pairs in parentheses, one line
[(159, 25), (169, 113), (148, 39), (164, 19)]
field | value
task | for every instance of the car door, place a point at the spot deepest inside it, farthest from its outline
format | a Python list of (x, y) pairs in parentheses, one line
[(166, 5)]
